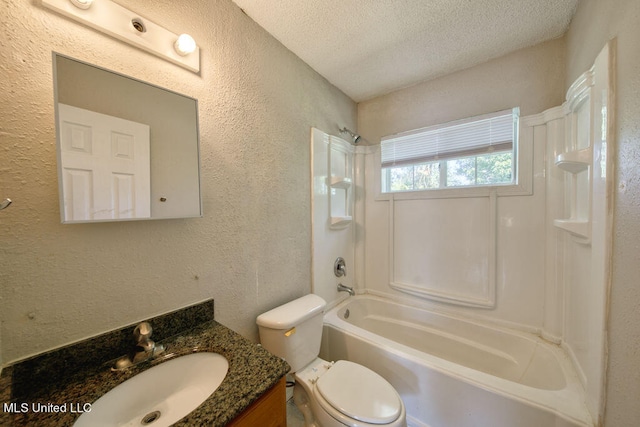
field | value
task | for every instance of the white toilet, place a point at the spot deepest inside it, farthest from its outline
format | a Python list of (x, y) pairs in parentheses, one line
[(328, 394)]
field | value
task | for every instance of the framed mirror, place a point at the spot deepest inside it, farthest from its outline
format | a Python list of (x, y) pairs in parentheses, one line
[(127, 150)]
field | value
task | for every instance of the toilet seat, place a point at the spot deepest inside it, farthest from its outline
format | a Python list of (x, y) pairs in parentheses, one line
[(358, 393)]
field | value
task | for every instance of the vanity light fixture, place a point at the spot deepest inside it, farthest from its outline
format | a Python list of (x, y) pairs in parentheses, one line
[(127, 26)]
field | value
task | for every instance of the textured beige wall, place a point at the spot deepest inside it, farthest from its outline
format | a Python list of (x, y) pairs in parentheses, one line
[(251, 251), (530, 78), (596, 22)]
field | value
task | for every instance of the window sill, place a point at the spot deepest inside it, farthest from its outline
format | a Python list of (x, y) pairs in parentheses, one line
[(460, 192)]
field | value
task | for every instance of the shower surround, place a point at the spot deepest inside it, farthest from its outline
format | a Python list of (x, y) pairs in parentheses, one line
[(533, 256)]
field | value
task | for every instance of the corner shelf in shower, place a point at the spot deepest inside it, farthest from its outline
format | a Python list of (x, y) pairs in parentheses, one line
[(576, 227), (575, 162), (339, 182), (578, 160), (340, 221), (342, 183)]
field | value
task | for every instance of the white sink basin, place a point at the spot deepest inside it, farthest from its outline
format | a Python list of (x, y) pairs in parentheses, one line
[(161, 395)]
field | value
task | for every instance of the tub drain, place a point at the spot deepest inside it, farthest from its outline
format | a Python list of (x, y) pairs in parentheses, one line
[(346, 313), (151, 417)]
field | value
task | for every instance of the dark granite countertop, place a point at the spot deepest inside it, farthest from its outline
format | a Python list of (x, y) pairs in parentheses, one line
[(252, 371)]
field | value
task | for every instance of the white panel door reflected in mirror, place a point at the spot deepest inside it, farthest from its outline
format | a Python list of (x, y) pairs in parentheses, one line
[(108, 174), (105, 166)]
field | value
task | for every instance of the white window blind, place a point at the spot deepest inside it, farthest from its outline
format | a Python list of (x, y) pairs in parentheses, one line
[(474, 136)]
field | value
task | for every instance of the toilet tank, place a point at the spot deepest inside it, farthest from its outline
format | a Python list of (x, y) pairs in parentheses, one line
[(293, 331)]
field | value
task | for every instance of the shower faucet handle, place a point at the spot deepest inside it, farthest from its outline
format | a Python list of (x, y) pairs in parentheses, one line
[(340, 267)]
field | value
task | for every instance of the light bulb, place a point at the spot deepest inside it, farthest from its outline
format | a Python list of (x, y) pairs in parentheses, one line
[(185, 44), (82, 4)]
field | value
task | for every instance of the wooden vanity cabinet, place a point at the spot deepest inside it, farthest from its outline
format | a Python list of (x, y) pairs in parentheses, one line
[(268, 411)]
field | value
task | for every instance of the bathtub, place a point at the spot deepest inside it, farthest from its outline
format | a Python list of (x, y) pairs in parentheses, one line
[(453, 372)]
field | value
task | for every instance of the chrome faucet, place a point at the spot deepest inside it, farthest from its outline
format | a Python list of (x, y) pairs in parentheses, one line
[(145, 348), (343, 288)]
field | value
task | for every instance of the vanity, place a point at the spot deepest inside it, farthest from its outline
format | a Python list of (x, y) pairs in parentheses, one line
[(57, 387)]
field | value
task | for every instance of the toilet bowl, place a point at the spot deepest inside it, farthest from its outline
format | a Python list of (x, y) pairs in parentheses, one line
[(346, 394), (328, 394)]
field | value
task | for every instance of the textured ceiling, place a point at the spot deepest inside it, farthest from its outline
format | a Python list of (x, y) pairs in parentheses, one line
[(371, 47)]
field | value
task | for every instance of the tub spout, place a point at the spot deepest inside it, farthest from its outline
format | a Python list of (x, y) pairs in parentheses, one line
[(343, 288)]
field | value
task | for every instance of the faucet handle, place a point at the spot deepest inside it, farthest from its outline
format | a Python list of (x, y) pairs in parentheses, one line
[(142, 331), (340, 267)]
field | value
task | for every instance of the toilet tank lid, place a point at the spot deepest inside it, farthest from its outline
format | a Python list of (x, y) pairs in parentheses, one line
[(292, 313)]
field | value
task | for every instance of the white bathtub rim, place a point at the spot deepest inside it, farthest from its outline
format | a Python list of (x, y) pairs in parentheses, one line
[(570, 398), (529, 333), (496, 352), (454, 313)]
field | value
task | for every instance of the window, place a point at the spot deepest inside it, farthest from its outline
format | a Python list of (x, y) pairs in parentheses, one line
[(478, 151)]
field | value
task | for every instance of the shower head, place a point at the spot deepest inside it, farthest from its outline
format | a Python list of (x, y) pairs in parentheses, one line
[(355, 138)]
